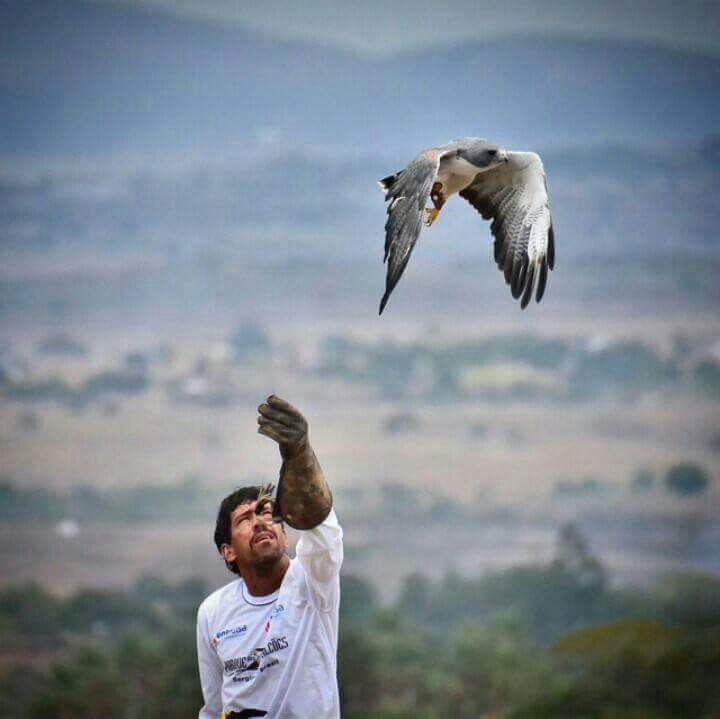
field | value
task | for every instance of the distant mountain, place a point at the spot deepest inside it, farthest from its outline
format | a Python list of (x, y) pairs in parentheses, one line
[(80, 77)]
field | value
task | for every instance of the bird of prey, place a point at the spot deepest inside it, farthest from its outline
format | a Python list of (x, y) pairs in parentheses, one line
[(508, 188)]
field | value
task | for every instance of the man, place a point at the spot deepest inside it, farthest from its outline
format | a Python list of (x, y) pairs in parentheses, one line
[(267, 642)]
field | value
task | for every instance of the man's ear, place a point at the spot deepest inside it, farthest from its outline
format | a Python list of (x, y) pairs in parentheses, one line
[(228, 553)]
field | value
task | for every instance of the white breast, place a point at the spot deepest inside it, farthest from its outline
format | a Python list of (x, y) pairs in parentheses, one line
[(455, 174)]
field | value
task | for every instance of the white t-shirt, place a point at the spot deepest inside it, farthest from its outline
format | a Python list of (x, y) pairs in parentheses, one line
[(276, 653)]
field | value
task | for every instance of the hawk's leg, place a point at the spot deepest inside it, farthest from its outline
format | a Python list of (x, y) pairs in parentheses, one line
[(436, 195)]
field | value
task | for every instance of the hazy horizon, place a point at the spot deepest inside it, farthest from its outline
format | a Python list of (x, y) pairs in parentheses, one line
[(379, 30)]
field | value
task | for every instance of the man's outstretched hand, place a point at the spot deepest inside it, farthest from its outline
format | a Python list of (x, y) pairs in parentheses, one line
[(280, 421)]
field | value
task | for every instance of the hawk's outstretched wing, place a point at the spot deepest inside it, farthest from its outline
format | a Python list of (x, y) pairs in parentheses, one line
[(407, 192), (514, 196)]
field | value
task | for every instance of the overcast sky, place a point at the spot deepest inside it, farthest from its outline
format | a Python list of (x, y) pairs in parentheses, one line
[(387, 26)]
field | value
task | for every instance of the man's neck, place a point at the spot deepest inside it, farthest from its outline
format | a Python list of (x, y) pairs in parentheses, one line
[(260, 582)]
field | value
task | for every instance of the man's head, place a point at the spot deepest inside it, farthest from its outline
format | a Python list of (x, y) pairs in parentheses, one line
[(245, 534)]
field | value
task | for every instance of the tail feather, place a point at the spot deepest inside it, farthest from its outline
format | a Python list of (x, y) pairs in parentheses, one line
[(387, 182)]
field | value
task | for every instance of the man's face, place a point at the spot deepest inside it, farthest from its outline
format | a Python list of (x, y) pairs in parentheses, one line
[(256, 542)]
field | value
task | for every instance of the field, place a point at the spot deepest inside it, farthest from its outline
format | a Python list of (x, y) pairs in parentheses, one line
[(491, 467)]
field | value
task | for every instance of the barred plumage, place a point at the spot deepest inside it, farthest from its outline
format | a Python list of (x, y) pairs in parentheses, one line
[(508, 188)]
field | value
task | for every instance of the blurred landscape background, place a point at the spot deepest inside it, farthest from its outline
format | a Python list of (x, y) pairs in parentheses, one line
[(189, 221)]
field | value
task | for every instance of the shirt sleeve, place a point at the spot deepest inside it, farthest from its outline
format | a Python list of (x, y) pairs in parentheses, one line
[(211, 671), (320, 553)]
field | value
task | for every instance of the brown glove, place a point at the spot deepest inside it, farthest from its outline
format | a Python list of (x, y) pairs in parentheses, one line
[(303, 497)]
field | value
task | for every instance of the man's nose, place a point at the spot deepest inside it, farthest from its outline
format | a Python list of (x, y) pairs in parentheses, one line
[(261, 524)]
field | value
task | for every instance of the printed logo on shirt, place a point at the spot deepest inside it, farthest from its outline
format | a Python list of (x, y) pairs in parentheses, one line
[(277, 609), (225, 633), (251, 662)]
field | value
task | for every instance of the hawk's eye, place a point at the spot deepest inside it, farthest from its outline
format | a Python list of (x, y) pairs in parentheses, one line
[(492, 153)]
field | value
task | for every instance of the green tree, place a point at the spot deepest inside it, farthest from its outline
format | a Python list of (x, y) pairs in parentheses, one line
[(85, 686), (494, 667), (686, 479), (643, 480), (707, 377), (359, 599), (573, 556), (358, 673)]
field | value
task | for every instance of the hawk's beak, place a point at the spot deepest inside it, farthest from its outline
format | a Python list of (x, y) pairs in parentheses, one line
[(503, 155)]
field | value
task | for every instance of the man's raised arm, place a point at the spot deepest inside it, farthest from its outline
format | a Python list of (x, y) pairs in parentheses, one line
[(303, 499)]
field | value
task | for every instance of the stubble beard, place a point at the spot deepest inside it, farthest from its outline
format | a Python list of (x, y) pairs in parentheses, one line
[(265, 563)]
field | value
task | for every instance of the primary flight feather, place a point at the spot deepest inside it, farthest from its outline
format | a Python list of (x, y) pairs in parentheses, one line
[(508, 188)]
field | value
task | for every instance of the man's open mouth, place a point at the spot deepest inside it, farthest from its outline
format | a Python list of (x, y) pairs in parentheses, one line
[(262, 537)]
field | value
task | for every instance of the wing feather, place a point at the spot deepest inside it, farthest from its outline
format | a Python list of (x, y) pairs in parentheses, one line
[(407, 196), (514, 196)]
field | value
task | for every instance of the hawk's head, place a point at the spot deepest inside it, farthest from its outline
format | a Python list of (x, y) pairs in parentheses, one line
[(481, 153)]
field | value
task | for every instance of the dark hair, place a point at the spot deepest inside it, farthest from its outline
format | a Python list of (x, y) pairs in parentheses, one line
[(241, 495)]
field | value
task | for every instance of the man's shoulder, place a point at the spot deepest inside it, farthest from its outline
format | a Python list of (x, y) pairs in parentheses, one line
[(218, 597)]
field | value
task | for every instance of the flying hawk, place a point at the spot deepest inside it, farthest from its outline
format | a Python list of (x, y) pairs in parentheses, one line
[(508, 188)]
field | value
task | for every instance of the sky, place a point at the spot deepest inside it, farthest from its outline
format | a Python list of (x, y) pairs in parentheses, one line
[(378, 27)]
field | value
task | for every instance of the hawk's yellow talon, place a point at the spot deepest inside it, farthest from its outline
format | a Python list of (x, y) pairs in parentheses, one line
[(431, 216)]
